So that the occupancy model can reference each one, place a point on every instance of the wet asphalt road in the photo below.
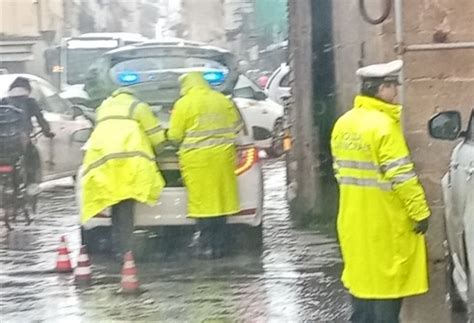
(295, 279)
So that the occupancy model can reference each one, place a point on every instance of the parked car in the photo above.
(261, 112)
(249, 98)
(458, 194)
(278, 85)
(153, 72)
(60, 156)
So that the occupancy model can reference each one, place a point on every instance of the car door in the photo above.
(279, 84)
(461, 181)
(258, 112)
(44, 145)
(63, 154)
(284, 89)
(465, 194)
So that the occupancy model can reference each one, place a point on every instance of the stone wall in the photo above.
(356, 43)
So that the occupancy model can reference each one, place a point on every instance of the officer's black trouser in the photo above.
(213, 233)
(122, 226)
(376, 310)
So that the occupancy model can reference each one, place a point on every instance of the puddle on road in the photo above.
(295, 279)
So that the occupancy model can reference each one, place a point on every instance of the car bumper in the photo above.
(171, 208)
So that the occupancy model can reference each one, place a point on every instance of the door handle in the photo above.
(470, 172)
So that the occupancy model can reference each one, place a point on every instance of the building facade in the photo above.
(28, 28)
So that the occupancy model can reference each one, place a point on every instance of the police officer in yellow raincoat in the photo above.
(119, 166)
(383, 210)
(204, 122)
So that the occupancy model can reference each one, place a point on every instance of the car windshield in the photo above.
(78, 62)
(244, 83)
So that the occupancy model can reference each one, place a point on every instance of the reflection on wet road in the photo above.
(295, 279)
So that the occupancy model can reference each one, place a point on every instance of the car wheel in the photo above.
(246, 238)
(97, 240)
(455, 301)
(277, 148)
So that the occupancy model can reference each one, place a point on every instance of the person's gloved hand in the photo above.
(49, 134)
(421, 226)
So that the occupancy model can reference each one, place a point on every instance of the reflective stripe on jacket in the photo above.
(204, 122)
(119, 163)
(380, 201)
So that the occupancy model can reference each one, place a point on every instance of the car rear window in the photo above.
(146, 67)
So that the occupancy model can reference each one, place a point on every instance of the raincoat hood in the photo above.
(123, 90)
(191, 81)
(394, 111)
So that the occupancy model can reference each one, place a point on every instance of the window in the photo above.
(36, 93)
(285, 81)
(470, 130)
(272, 78)
(49, 100)
(78, 62)
(246, 89)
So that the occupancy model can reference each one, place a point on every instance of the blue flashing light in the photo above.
(215, 77)
(128, 77)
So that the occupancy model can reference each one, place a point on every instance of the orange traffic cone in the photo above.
(63, 263)
(82, 273)
(129, 283)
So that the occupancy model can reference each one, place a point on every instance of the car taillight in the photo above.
(6, 169)
(246, 158)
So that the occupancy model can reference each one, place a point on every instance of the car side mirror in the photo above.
(260, 133)
(82, 135)
(445, 125)
(260, 96)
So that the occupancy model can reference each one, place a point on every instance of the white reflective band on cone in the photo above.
(82, 258)
(82, 271)
(129, 264)
(63, 258)
(129, 279)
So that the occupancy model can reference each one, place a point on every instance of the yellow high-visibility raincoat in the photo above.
(119, 162)
(381, 199)
(205, 122)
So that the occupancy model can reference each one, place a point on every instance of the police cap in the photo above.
(388, 72)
